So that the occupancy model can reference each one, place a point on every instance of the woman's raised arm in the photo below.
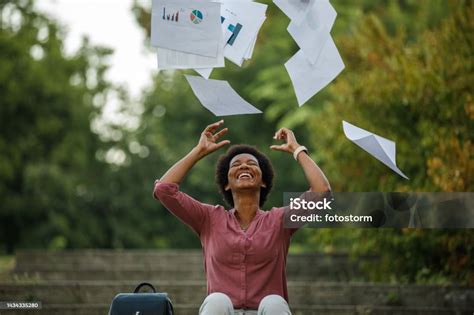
(315, 176)
(207, 144)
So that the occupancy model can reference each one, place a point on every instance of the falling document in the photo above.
(219, 97)
(204, 72)
(187, 26)
(308, 79)
(244, 18)
(380, 148)
(173, 59)
(294, 9)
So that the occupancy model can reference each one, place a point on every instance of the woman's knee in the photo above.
(216, 303)
(273, 304)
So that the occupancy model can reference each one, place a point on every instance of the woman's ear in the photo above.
(227, 187)
(264, 185)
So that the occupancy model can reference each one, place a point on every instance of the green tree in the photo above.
(419, 93)
(47, 148)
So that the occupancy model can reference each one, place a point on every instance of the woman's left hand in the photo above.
(289, 137)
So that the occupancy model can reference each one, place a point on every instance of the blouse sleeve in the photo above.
(190, 211)
(281, 215)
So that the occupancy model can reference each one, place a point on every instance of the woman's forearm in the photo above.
(315, 176)
(207, 144)
(179, 170)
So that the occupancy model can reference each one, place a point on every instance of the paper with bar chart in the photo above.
(244, 19)
(187, 26)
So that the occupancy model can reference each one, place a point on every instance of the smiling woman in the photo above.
(240, 158)
(245, 248)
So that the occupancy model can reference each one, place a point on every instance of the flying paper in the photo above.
(294, 9)
(244, 19)
(219, 97)
(186, 26)
(380, 148)
(308, 79)
(204, 72)
(172, 59)
(313, 32)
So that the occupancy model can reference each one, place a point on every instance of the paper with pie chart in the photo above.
(382, 149)
(187, 26)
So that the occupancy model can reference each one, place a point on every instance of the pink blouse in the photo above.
(245, 265)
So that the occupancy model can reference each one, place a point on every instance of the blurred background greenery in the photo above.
(68, 180)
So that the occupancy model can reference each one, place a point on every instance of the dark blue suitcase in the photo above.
(141, 303)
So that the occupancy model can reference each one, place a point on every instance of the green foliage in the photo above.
(407, 255)
(419, 93)
(46, 146)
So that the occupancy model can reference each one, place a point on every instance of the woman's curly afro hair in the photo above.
(223, 165)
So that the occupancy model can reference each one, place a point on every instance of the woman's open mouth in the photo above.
(244, 176)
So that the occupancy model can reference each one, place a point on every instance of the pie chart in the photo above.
(196, 16)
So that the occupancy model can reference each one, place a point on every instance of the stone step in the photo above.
(301, 293)
(186, 309)
(107, 258)
(147, 258)
(167, 272)
(144, 264)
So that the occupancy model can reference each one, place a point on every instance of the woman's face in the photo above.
(244, 173)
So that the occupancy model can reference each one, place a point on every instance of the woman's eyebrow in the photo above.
(240, 161)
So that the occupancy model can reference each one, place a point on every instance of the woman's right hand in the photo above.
(208, 141)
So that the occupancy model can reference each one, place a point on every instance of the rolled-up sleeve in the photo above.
(190, 211)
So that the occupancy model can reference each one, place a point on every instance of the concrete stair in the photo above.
(85, 282)
(181, 265)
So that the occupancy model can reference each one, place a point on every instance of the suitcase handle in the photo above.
(144, 284)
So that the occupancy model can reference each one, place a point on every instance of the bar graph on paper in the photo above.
(174, 17)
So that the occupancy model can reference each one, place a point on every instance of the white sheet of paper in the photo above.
(313, 32)
(308, 79)
(219, 97)
(249, 52)
(172, 59)
(251, 16)
(204, 72)
(294, 9)
(380, 148)
(186, 26)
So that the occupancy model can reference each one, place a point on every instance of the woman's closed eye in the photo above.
(252, 163)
